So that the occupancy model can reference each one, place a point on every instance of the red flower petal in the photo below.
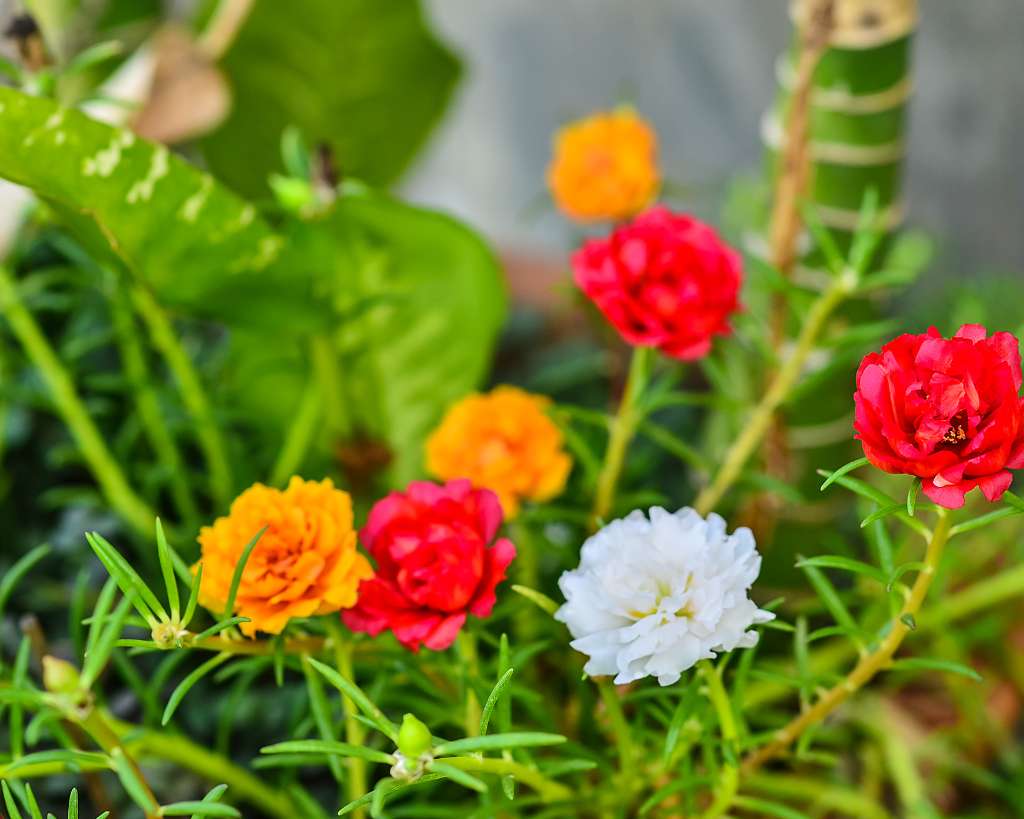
(664, 280)
(499, 557)
(433, 563)
(951, 497)
(994, 486)
(947, 410)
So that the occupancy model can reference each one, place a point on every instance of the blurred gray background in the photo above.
(703, 73)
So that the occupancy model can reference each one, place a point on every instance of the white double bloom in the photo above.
(652, 596)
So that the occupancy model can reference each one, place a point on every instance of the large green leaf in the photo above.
(409, 300)
(197, 245)
(424, 299)
(363, 76)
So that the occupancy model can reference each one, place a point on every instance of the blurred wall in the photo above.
(703, 72)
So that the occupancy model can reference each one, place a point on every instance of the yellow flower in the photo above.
(305, 563)
(604, 167)
(502, 441)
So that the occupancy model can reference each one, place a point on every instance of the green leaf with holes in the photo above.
(198, 246)
(409, 301)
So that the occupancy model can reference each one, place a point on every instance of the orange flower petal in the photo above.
(305, 563)
(502, 441)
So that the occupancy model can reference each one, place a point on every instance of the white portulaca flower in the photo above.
(652, 596)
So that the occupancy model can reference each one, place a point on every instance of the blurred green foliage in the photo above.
(368, 79)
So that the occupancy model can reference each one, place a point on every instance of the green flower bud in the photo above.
(414, 738)
(292, 194)
(59, 676)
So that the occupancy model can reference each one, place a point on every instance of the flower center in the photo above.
(957, 432)
(664, 590)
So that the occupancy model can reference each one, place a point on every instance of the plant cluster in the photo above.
(436, 600)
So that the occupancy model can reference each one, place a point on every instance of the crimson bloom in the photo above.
(434, 564)
(946, 410)
(663, 280)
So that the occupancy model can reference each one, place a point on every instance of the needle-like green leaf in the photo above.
(498, 742)
(193, 596)
(843, 470)
(459, 776)
(163, 549)
(21, 567)
(97, 656)
(236, 578)
(203, 808)
(133, 784)
(539, 599)
(186, 684)
(355, 693)
(145, 602)
(328, 748)
(493, 699)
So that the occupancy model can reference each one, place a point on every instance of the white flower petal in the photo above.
(656, 593)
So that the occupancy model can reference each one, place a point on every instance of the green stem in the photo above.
(299, 436)
(620, 727)
(786, 378)
(110, 733)
(729, 775)
(355, 734)
(817, 793)
(528, 571)
(44, 769)
(549, 791)
(471, 670)
(327, 374)
(95, 723)
(261, 648)
(621, 432)
(223, 26)
(869, 665)
(193, 395)
(111, 479)
(955, 606)
(148, 406)
(212, 767)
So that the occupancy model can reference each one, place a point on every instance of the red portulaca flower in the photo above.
(664, 280)
(434, 563)
(946, 410)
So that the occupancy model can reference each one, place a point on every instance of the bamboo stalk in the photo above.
(856, 106)
(836, 132)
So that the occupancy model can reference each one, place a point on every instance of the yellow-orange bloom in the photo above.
(305, 563)
(604, 167)
(502, 441)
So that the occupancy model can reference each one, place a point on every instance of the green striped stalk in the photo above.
(856, 119)
(836, 131)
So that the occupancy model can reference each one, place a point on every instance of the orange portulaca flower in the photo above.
(305, 563)
(502, 441)
(604, 167)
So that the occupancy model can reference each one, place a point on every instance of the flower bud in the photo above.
(59, 676)
(168, 634)
(414, 738)
(292, 194)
